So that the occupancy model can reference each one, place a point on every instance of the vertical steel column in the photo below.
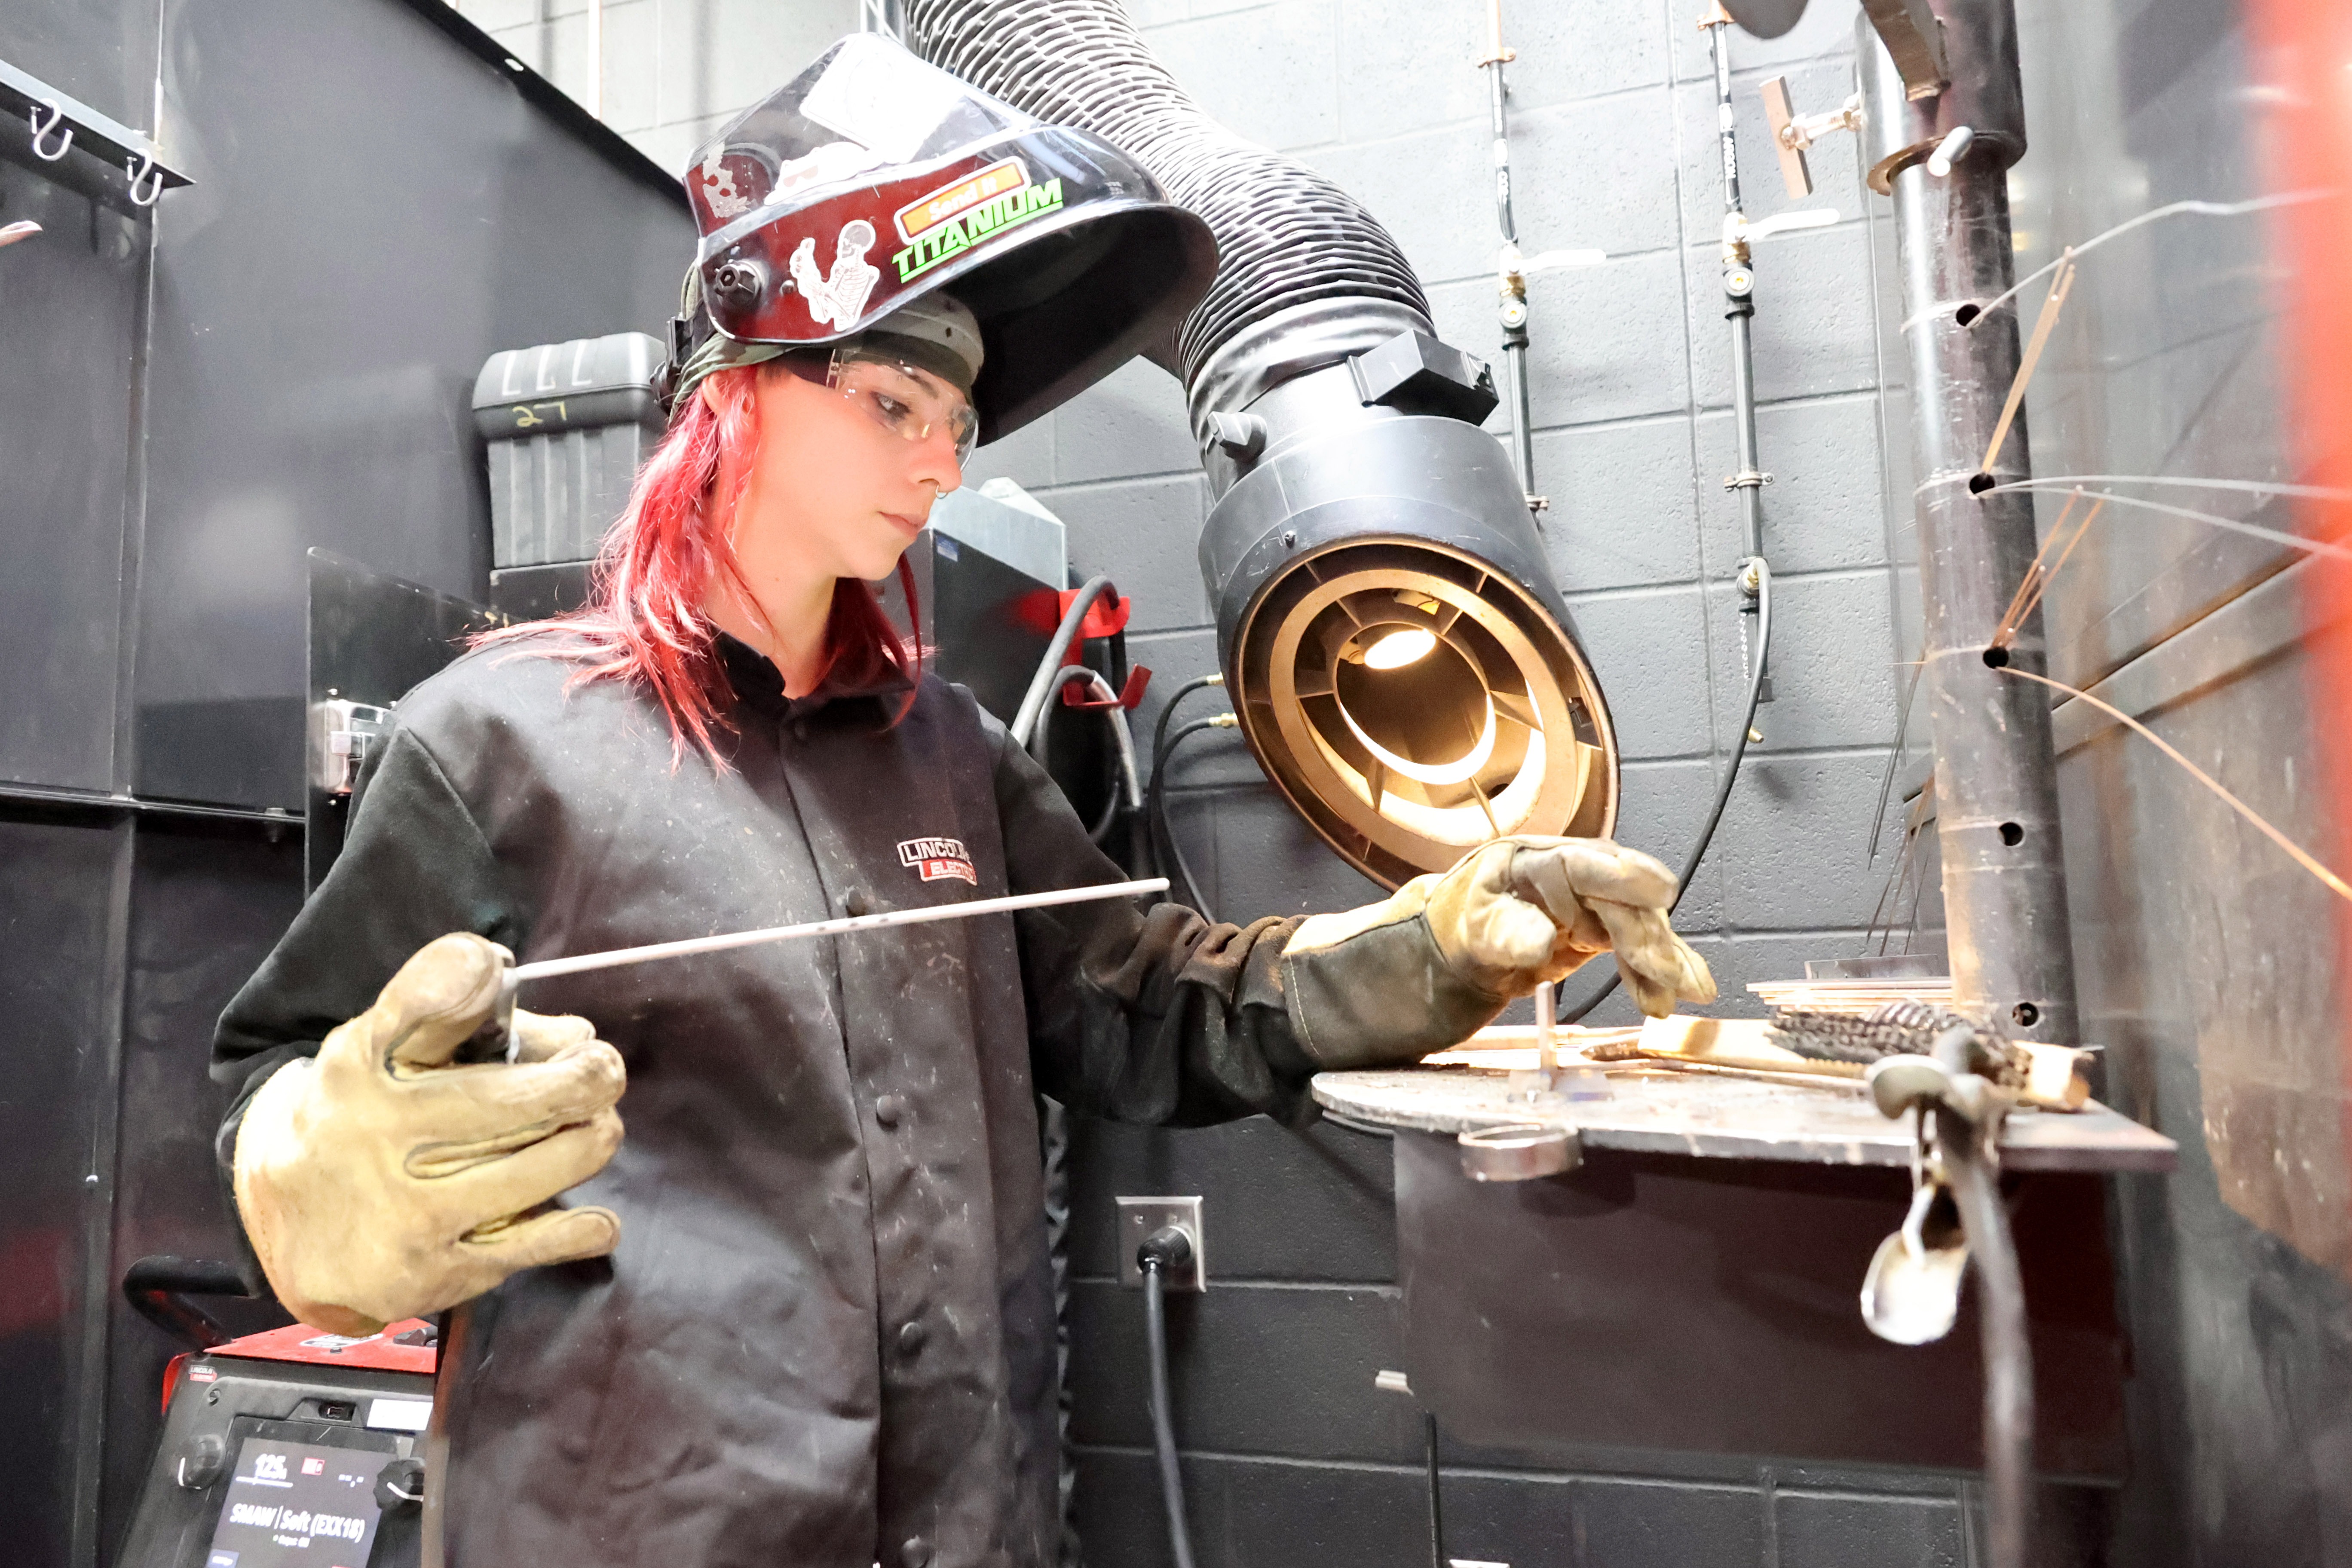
(1996, 778)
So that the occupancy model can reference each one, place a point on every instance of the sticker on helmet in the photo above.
(838, 297)
(881, 97)
(927, 212)
(957, 234)
(718, 187)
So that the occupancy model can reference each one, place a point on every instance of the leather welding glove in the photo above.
(378, 1181)
(1445, 953)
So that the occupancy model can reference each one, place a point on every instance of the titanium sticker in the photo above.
(924, 214)
(841, 296)
(958, 235)
(938, 858)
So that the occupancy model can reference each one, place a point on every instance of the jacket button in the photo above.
(888, 1108)
(855, 901)
(917, 1552)
(912, 1336)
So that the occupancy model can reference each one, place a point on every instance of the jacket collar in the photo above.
(758, 685)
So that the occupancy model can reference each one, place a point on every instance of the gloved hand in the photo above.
(377, 1182)
(1519, 911)
(1441, 956)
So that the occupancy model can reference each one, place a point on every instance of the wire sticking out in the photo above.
(2203, 209)
(2302, 857)
(2037, 581)
(2062, 281)
(2235, 525)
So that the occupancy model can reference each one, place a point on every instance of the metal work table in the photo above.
(1692, 1283)
(1663, 1111)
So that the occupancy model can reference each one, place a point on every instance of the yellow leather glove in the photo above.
(378, 1181)
(1523, 910)
(1516, 912)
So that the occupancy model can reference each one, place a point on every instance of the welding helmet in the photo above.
(877, 195)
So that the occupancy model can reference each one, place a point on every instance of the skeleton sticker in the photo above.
(840, 296)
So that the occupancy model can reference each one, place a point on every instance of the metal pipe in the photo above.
(1512, 308)
(1740, 309)
(1996, 777)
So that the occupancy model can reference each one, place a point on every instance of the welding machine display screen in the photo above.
(298, 1505)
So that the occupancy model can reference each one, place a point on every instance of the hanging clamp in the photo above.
(1793, 133)
(1127, 698)
(1747, 479)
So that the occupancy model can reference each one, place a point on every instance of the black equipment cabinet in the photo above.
(274, 357)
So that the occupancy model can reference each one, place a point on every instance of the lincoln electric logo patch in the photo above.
(938, 858)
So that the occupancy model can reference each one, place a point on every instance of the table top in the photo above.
(1658, 1109)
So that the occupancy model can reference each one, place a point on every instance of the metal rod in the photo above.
(575, 964)
(1740, 309)
(1513, 305)
(1996, 774)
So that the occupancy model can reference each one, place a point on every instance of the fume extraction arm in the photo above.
(1398, 654)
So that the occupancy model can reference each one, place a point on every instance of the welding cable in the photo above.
(1129, 783)
(1041, 685)
(2007, 1353)
(1155, 798)
(1165, 1247)
(1730, 774)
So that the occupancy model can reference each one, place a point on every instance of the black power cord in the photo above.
(1164, 848)
(1167, 1247)
(1730, 774)
(1161, 843)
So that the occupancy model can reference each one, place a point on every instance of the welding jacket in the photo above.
(827, 1338)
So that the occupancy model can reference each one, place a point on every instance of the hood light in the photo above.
(1399, 648)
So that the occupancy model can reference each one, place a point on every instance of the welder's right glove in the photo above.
(1445, 953)
(379, 1182)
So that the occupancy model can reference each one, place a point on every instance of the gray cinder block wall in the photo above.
(1292, 1456)
(673, 70)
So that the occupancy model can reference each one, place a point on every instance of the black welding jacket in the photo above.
(827, 1338)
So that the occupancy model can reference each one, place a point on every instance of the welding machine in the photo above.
(292, 1448)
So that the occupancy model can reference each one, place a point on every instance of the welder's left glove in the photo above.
(1445, 953)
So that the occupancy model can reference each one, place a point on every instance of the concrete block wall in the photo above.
(672, 71)
(1292, 1456)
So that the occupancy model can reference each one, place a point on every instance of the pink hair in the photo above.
(644, 618)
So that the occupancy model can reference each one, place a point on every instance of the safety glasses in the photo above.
(903, 398)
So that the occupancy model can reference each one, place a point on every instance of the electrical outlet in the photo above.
(1138, 1218)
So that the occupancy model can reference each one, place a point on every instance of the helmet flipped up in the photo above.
(874, 180)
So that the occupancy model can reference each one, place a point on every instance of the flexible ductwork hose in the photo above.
(1286, 235)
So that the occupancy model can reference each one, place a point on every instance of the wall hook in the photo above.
(40, 131)
(139, 169)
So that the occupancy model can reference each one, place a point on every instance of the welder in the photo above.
(801, 1313)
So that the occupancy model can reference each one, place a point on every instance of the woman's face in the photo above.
(837, 486)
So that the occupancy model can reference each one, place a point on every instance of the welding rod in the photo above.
(546, 968)
(498, 1031)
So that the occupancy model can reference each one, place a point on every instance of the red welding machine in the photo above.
(292, 1448)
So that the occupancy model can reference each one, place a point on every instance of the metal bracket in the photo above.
(1793, 133)
(1747, 479)
(59, 122)
(341, 731)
